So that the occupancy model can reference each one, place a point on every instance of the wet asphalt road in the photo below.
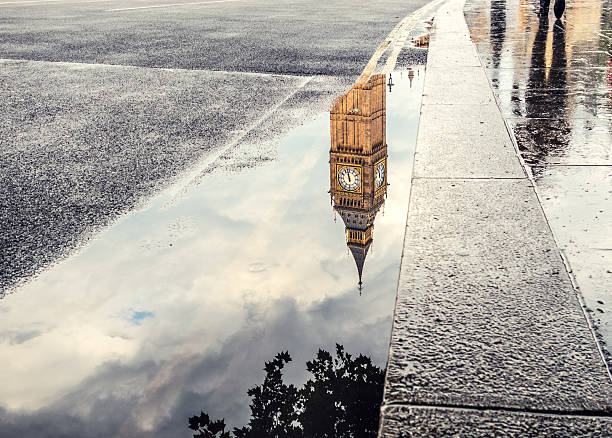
(103, 107)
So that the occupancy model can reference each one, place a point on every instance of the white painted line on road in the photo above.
(403, 36)
(32, 1)
(138, 67)
(393, 36)
(193, 176)
(169, 5)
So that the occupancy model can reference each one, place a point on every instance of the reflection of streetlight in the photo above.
(410, 76)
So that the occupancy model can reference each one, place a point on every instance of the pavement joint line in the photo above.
(470, 105)
(561, 413)
(457, 67)
(514, 119)
(582, 67)
(51, 2)
(569, 165)
(169, 5)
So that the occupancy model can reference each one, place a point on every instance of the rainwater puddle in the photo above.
(176, 310)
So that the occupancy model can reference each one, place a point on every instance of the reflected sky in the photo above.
(176, 307)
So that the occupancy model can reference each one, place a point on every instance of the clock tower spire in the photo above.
(358, 162)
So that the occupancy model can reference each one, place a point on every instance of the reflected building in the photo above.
(358, 162)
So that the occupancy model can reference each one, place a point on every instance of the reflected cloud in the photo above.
(153, 397)
(19, 337)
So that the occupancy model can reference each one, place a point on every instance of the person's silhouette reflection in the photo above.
(498, 29)
(558, 8)
(546, 130)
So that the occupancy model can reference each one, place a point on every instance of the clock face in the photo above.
(349, 178)
(379, 178)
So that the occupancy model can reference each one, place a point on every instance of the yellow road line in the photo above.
(405, 26)
(401, 41)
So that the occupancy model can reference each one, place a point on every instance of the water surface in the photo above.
(176, 307)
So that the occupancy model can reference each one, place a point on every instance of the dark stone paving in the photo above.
(440, 422)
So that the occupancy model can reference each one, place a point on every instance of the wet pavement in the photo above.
(489, 335)
(176, 307)
(287, 239)
(552, 80)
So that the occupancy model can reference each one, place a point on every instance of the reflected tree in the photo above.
(207, 428)
(342, 399)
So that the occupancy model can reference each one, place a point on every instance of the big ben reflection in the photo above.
(358, 162)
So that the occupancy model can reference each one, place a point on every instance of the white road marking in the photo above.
(169, 5)
(193, 176)
(136, 67)
(401, 40)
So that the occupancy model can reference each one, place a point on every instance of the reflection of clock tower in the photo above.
(358, 162)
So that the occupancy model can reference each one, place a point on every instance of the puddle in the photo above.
(175, 310)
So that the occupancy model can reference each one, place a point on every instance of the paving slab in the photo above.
(465, 85)
(465, 141)
(440, 422)
(460, 55)
(486, 314)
